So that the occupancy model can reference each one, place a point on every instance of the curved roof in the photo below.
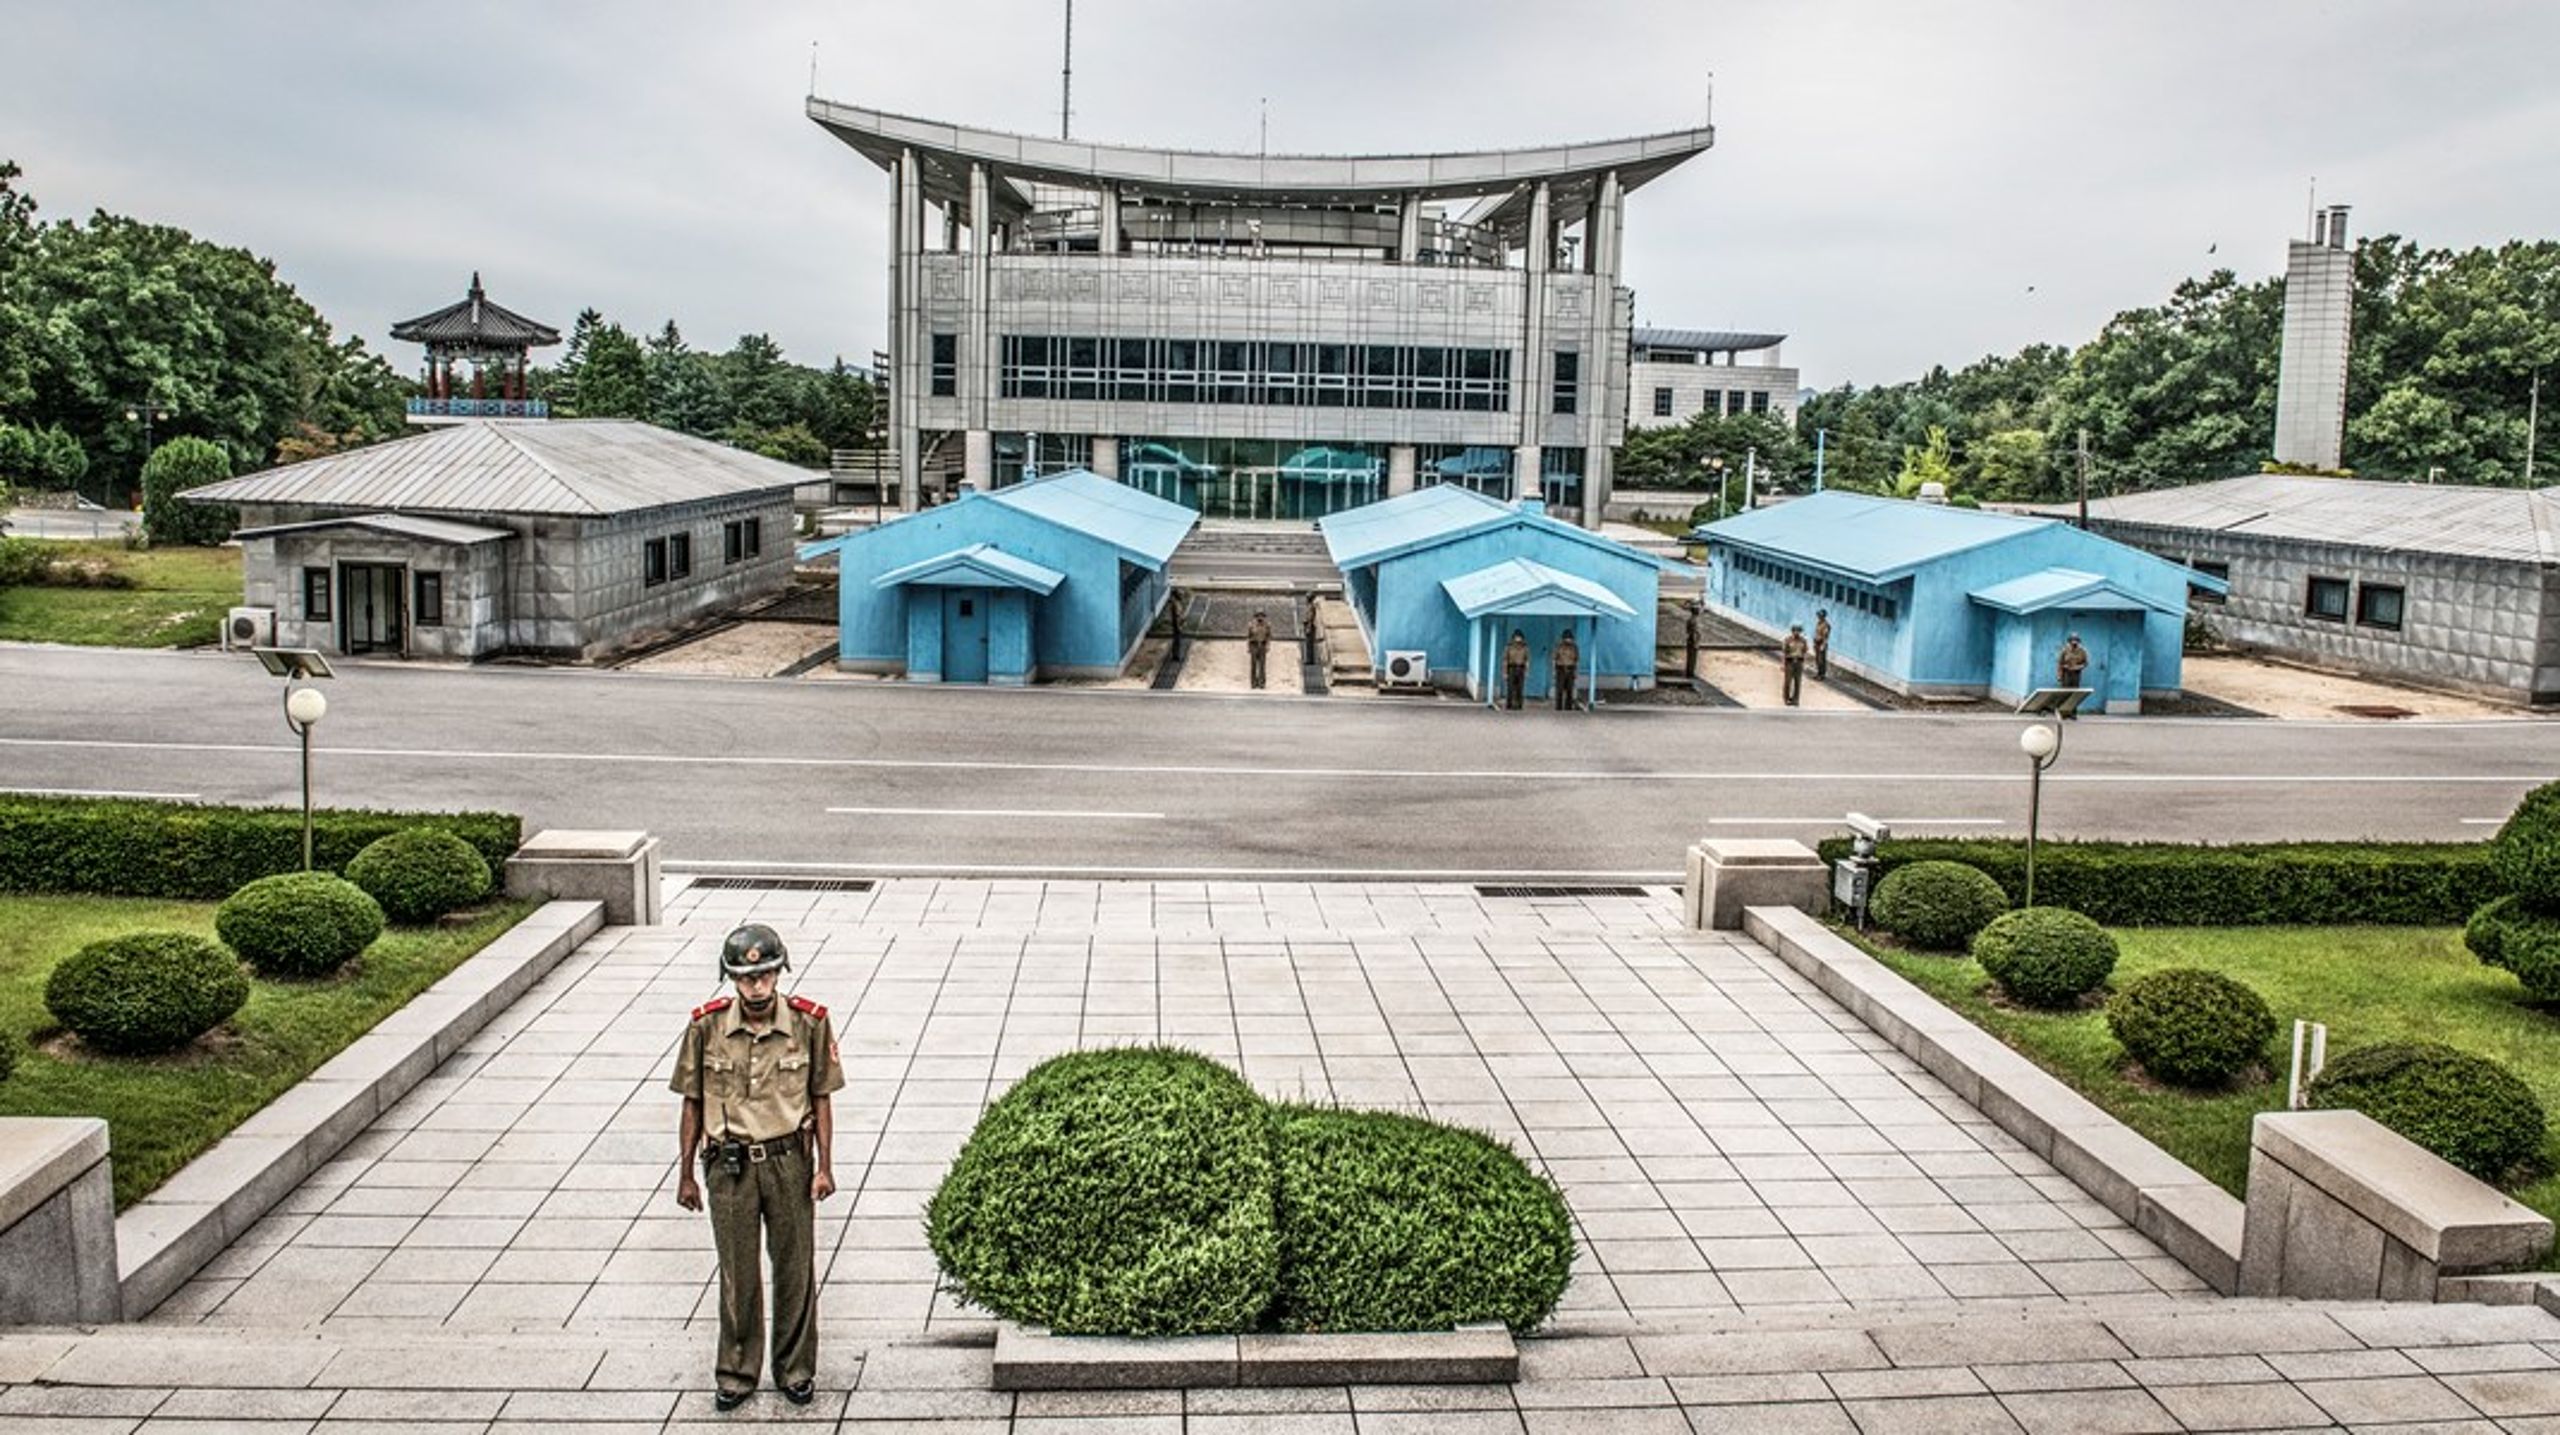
(945, 152)
(475, 321)
(1713, 341)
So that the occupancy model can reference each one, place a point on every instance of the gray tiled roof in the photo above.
(578, 467)
(1715, 341)
(2511, 524)
(475, 321)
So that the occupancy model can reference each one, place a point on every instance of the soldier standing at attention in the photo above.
(1515, 669)
(756, 1073)
(1792, 653)
(1257, 642)
(2073, 661)
(1568, 662)
(1822, 643)
(1689, 665)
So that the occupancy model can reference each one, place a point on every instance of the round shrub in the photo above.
(2191, 1027)
(1391, 1222)
(2503, 934)
(299, 924)
(420, 873)
(2046, 956)
(1120, 1192)
(2526, 850)
(2467, 1109)
(145, 992)
(1937, 906)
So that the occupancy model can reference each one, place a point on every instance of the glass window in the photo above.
(1760, 401)
(679, 555)
(2327, 600)
(2210, 569)
(733, 542)
(1662, 403)
(2379, 605)
(428, 610)
(653, 562)
(1568, 387)
(315, 595)
(1712, 403)
(755, 538)
(946, 365)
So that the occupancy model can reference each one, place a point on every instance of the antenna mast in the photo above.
(1067, 74)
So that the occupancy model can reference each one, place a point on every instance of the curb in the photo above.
(164, 1239)
(1032, 1359)
(2194, 1220)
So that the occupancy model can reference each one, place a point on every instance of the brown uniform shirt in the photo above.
(754, 1085)
(1793, 649)
(1257, 634)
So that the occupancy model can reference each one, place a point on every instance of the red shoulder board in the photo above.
(808, 1008)
(716, 1004)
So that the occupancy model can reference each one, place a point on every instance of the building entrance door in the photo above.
(964, 635)
(371, 618)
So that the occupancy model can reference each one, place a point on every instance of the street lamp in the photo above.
(1712, 464)
(2042, 744)
(303, 709)
(144, 412)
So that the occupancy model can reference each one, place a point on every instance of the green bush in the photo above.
(9, 1050)
(2467, 1109)
(123, 847)
(2046, 956)
(420, 873)
(1937, 906)
(2527, 850)
(2191, 1027)
(1121, 1192)
(173, 468)
(1390, 1222)
(145, 992)
(2172, 884)
(299, 924)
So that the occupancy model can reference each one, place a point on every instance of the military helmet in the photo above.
(751, 949)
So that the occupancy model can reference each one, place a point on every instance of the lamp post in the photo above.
(143, 412)
(1710, 463)
(2042, 744)
(303, 709)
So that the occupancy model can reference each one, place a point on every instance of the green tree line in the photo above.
(750, 396)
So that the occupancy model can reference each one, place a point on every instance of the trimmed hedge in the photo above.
(1937, 906)
(2046, 956)
(420, 873)
(1391, 1222)
(299, 924)
(2172, 884)
(2527, 850)
(122, 847)
(2467, 1109)
(145, 992)
(1120, 1192)
(2191, 1027)
(2504, 935)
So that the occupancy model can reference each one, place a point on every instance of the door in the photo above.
(371, 617)
(964, 635)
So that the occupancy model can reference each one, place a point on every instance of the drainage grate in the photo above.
(1486, 890)
(781, 884)
(2376, 710)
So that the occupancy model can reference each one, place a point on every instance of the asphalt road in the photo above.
(884, 778)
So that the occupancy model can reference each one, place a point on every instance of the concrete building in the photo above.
(1256, 336)
(2439, 584)
(566, 539)
(1679, 374)
(1054, 577)
(1933, 601)
(2319, 308)
(1449, 574)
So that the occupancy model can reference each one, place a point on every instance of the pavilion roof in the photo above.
(476, 320)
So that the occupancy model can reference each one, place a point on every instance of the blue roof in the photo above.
(1524, 587)
(2066, 588)
(980, 565)
(1429, 517)
(1145, 528)
(1878, 539)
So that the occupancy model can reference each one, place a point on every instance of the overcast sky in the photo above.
(1894, 184)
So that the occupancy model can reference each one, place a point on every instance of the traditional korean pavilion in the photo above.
(488, 340)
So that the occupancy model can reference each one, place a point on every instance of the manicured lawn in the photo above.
(178, 599)
(2368, 983)
(161, 1111)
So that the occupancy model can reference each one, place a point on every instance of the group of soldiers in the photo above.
(1515, 670)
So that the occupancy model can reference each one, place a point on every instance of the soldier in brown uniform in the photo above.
(1822, 643)
(1792, 654)
(756, 1073)
(1568, 663)
(1257, 643)
(2070, 664)
(1515, 669)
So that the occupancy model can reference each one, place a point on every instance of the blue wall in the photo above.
(1410, 610)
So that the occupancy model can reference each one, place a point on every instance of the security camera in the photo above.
(1869, 828)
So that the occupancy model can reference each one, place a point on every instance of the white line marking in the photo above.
(989, 812)
(1356, 774)
(101, 792)
(1036, 869)
(2484, 822)
(1836, 822)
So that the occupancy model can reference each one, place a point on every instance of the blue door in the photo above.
(964, 635)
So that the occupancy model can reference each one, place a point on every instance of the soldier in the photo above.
(1568, 660)
(1792, 652)
(1689, 665)
(1515, 669)
(2072, 662)
(1822, 643)
(1257, 642)
(756, 1075)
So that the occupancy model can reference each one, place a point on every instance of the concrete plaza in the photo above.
(1783, 1223)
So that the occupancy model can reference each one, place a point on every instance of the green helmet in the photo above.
(751, 949)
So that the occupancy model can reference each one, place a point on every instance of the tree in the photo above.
(180, 464)
(2010, 465)
(1926, 463)
(613, 380)
(839, 406)
(756, 382)
(683, 395)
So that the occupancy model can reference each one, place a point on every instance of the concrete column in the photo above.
(978, 360)
(1106, 457)
(1399, 469)
(907, 360)
(1606, 367)
(978, 459)
(1535, 369)
(1409, 229)
(1527, 467)
(1110, 202)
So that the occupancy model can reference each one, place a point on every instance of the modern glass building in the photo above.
(1257, 336)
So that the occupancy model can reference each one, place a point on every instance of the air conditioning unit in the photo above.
(1408, 670)
(247, 628)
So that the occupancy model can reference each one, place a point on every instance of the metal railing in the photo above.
(479, 409)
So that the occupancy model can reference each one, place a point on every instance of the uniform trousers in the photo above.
(771, 1197)
(1564, 689)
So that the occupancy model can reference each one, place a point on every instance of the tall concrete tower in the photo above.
(2311, 383)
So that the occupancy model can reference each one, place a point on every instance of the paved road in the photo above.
(894, 779)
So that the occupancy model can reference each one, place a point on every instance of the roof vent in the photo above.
(1933, 492)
